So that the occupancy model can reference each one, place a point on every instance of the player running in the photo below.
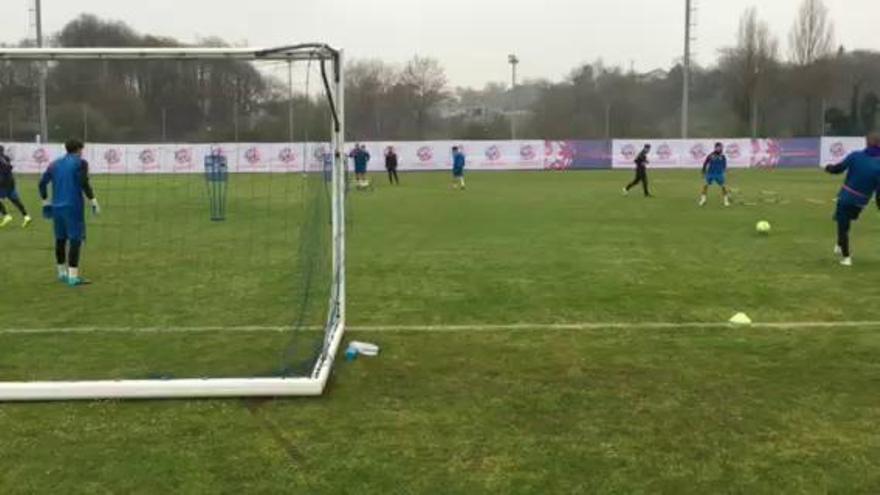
(641, 172)
(8, 191)
(714, 171)
(458, 163)
(69, 177)
(862, 181)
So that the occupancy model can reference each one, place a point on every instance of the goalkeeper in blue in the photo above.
(715, 172)
(862, 182)
(69, 177)
(8, 191)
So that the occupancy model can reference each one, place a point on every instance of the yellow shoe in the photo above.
(6, 221)
(27, 221)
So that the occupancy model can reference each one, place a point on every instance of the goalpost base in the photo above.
(188, 388)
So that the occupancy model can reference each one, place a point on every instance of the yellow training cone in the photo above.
(741, 319)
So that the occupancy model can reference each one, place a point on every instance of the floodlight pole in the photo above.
(686, 69)
(513, 60)
(85, 117)
(754, 110)
(289, 101)
(44, 106)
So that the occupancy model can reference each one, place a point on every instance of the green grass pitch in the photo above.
(602, 410)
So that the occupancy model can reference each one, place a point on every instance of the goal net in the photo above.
(217, 263)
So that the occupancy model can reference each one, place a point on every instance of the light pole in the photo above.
(608, 120)
(290, 102)
(513, 60)
(754, 111)
(686, 84)
(44, 112)
(85, 117)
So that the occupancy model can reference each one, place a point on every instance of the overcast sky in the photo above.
(472, 38)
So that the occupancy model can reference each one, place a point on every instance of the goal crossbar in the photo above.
(312, 385)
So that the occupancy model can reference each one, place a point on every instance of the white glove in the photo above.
(96, 208)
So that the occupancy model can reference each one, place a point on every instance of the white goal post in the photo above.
(311, 385)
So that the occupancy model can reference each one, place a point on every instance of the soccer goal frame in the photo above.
(316, 381)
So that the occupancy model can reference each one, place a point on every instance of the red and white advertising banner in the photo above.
(183, 158)
(691, 153)
(835, 149)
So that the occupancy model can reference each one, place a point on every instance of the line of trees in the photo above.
(752, 90)
(819, 89)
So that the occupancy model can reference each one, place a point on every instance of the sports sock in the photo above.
(61, 252)
(18, 204)
(73, 262)
(843, 238)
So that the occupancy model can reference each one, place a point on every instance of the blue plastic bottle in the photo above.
(351, 354)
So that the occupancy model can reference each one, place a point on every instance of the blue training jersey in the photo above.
(716, 164)
(862, 176)
(458, 160)
(361, 157)
(67, 176)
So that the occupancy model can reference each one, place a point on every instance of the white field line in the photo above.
(513, 327)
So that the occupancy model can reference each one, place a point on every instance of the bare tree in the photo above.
(426, 86)
(811, 42)
(369, 83)
(748, 65)
(812, 36)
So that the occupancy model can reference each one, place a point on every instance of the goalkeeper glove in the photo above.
(96, 208)
(47, 210)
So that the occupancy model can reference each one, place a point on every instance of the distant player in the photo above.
(862, 181)
(8, 191)
(641, 162)
(458, 163)
(69, 177)
(391, 165)
(361, 158)
(715, 170)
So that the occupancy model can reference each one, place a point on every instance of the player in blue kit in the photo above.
(862, 182)
(458, 163)
(69, 177)
(361, 158)
(8, 191)
(715, 172)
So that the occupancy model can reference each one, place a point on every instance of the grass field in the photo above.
(619, 407)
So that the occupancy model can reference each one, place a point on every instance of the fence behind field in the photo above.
(185, 158)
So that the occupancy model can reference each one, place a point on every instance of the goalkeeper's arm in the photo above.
(87, 188)
(84, 182)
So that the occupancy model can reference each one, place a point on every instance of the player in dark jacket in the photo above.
(391, 165)
(7, 191)
(862, 182)
(641, 162)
